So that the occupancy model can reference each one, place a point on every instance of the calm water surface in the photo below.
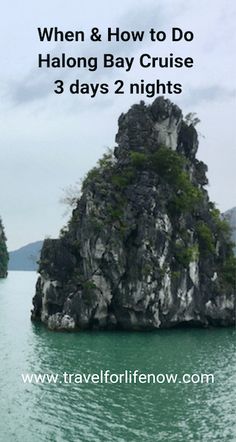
(105, 412)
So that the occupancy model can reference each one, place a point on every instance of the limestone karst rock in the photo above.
(3, 252)
(144, 248)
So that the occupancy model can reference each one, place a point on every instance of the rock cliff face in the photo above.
(3, 252)
(145, 248)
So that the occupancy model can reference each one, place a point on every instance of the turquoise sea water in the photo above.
(110, 412)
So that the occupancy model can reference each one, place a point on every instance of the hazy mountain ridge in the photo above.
(26, 257)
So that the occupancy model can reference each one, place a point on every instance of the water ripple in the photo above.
(110, 412)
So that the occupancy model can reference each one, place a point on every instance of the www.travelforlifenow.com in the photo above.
(108, 377)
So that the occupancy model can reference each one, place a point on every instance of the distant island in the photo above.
(26, 257)
(3, 252)
(145, 247)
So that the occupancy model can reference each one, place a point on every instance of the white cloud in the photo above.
(48, 142)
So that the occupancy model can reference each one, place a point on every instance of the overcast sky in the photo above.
(48, 142)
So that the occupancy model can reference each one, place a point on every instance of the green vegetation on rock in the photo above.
(3, 253)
